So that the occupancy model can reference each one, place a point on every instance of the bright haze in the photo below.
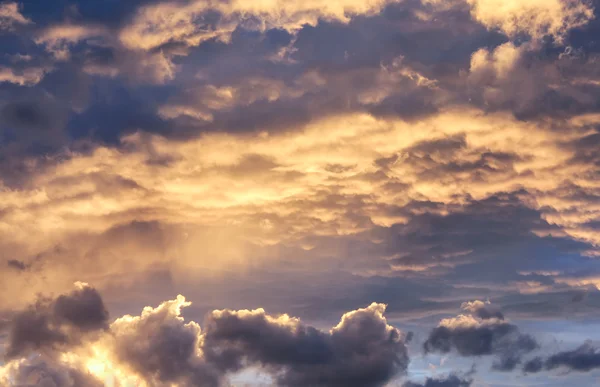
(328, 193)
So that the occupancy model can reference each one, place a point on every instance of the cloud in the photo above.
(26, 77)
(479, 334)
(450, 381)
(159, 347)
(58, 38)
(536, 18)
(10, 16)
(44, 371)
(155, 25)
(362, 350)
(582, 359)
(441, 150)
(57, 323)
(483, 310)
(17, 265)
(408, 183)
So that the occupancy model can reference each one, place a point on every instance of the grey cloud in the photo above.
(486, 311)
(449, 381)
(360, 351)
(472, 335)
(534, 365)
(42, 371)
(582, 359)
(162, 348)
(82, 308)
(17, 265)
(57, 323)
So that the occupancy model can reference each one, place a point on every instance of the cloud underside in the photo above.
(389, 193)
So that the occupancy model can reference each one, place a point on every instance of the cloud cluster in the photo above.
(483, 331)
(57, 323)
(158, 347)
(583, 359)
(362, 350)
(450, 381)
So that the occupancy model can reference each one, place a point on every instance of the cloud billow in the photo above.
(482, 332)
(158, 347)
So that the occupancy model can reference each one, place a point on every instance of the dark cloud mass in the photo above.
(160, 348)
(57, 323)
(362, 350)
(582, 359)
(481, 333)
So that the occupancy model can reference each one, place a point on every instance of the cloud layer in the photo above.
(305, 159)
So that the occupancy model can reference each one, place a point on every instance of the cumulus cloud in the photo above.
(58, 323)
(159, 347)
(481, 333)
(483, 310)
(362, 350)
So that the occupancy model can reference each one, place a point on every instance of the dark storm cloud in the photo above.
(450, 381)
(471, 335)
(57, 323)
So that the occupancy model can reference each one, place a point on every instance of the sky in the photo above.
(328, 193)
